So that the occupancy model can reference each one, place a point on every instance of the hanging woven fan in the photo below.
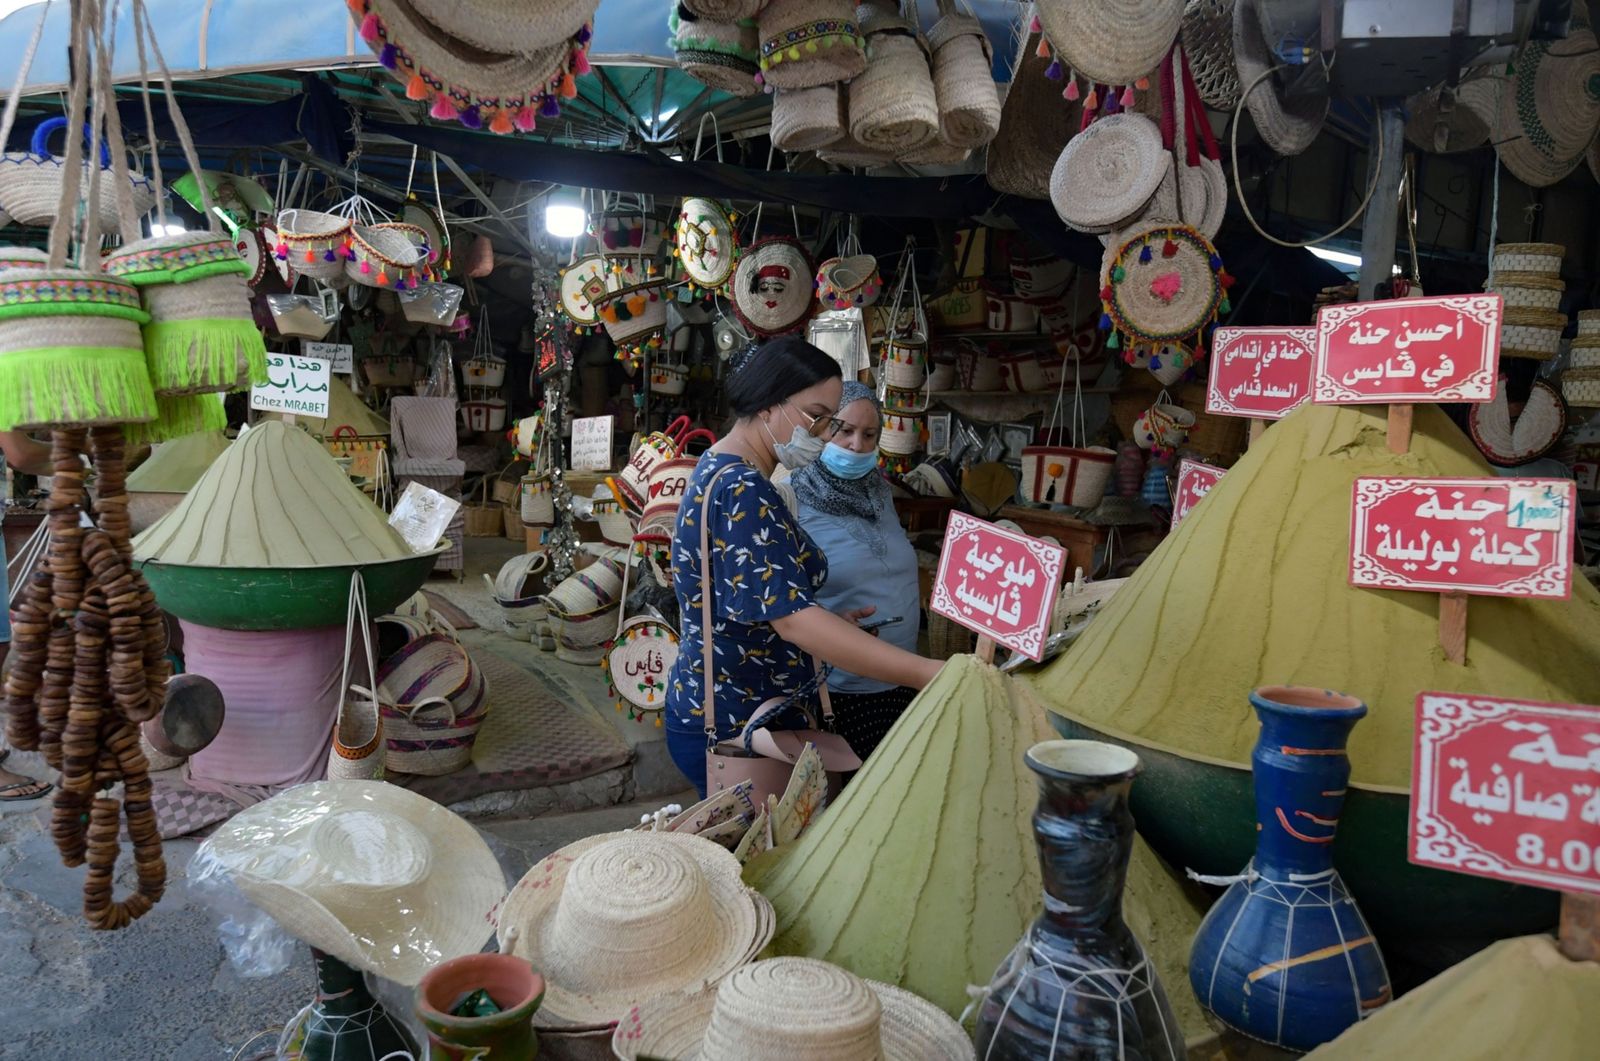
(708, 242)
(772, 287)
(1161, 283)
(582, 285)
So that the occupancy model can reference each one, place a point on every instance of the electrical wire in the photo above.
(1238, 188)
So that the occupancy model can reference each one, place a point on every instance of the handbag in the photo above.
(357, 751)
(765, 758)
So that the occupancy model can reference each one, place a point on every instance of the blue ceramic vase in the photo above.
(1078, 986)
(1285, 955)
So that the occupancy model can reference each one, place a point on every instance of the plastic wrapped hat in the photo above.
(504, 91)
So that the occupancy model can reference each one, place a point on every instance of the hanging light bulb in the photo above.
(564, 215)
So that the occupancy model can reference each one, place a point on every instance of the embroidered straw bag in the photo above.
(893, 105)
(715, 52)
(357, 750)
(809, 42)
(384, 255)
(963, 81)
(314, 243)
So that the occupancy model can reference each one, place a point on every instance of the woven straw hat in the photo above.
(1287, 123)
(1550, 108)
(1462, 125)
(716, 53)
(792, 1009)
(1109, 172)
(1207, 34)
(618, 918)
(1115, 42)
(502, 89)
(507, 26)
(382, 878)
(772, 288)
(1035, 125)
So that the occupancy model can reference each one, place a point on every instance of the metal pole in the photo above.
(1381, 224)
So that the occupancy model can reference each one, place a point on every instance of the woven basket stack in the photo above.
(1528, 277)
(1580, 383)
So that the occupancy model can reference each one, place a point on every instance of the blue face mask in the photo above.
(846, 463)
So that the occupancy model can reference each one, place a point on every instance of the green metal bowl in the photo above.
(1201, 816)
(282, 598)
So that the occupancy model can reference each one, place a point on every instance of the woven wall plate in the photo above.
(1535, 433)
(1165, 283)
(639, 661)
(583, 284)
(708, 242)
(1108, 172)
(772, 286)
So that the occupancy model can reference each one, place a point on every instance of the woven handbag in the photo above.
(357, 750)
(433, 699)
(809, 42)
(30, 181)
(893, 105)
(963, 81)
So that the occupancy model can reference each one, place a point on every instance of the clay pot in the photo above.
(505, 1036)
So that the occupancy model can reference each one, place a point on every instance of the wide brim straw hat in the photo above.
(1288, 124)
(785, 1009)
(381, 878)
(506, 26)
(1207, 35)
(618, 918)
(503, 90)
(1462, 126)
(1108, 172)
(1114, 42)
(852, 280)
(1035, 125)
(722, 54)
(776, 257)
(1550, 108)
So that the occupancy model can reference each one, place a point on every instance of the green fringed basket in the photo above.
(201, 338)
(70, 350)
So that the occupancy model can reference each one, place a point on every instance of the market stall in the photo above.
(1190, 398)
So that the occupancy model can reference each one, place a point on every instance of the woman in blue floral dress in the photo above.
(765, 570)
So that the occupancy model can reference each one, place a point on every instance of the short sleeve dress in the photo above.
(763, 567)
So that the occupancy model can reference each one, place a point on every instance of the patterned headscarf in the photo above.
(819, 488)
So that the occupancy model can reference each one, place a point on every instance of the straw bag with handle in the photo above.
(357, 751)
(483, 513)
(433, 699)
(1074, 474)
(764, 758)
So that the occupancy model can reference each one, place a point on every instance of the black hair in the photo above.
(775, 371)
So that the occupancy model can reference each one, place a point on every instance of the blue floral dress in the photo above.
(763, 567)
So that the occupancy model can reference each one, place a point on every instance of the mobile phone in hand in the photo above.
(872, 627)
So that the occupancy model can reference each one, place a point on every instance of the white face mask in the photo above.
(802, 448)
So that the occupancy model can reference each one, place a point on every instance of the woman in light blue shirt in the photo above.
(842, 502)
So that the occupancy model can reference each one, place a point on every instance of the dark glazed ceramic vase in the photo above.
(1078, 986)
(504, 1036)
(345, 1023)
(1285, 955)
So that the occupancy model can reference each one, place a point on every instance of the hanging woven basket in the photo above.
(807, 119)
(893, 105)
(809, 42)
(30, 181)
(70, 350)
(721, 54)
(963, 81)
(635, 317)
(313, 243)
(383, 256)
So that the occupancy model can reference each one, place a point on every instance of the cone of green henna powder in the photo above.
(925, 873)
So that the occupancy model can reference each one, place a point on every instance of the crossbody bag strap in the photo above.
(708, 676)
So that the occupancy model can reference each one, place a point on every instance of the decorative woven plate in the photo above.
(772, 286)
(639, 661)
(708, 242)
(1536, 432)
(1162, 284)
(582, 285)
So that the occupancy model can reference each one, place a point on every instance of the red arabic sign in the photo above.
(1500, 537)
(1408, 350)
(1195, 481)
(1260, 372)
(998, 583)
(1507, 789)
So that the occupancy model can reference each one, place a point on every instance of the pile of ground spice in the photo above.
(275, 499)
(1252, 589)
(173, 467)
(926, 873)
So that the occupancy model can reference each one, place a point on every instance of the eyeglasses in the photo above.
(834, 424)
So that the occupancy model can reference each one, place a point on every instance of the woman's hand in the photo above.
(855, 615)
